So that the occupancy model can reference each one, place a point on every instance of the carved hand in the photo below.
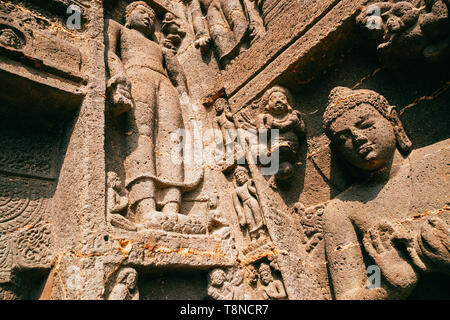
(434, 241)
(202, 41)
(119, 93)
(378, 242)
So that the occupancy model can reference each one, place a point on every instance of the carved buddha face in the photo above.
(241, 177)
(364, 137)
(114, 181)
(265, 276)
(142, 19)
(278, 103)
(220, 106)
(131, 280)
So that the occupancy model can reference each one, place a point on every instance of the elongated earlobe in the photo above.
(404, 144)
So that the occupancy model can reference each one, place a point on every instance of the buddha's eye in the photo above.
(365, 125)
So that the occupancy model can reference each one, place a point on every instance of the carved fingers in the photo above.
(119, 93)
(434, 240)
(202, 41)
(379, 244)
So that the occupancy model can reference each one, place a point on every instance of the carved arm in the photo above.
(201, 31)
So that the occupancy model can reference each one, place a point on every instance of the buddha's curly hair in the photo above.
(342, 99)
(129, 9)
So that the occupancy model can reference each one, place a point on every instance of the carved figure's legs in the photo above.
(234, 13)
(169, 121)
(142, 198)
(253, 216)
(139, 145)
(220, 31)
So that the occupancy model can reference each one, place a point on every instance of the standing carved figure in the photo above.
(125, 287)
(367, 134)
(270, 289)
(246, 204)
(147, 81)
(280, 115)
(226, 24)
(223, 121)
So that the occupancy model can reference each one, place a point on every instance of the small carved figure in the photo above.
(217, 226)
(246, 204)
(218, 286)
(241, 290)
(367, 134)
(280, 115)
(173, 32)
(406, 32)
(223, 121)
(117, 204)
(9, 38)
(311, 221)
(226, 24)
(270, 289)
(252, 276)
(125, 287)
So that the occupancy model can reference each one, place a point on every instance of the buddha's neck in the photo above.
(389, 171)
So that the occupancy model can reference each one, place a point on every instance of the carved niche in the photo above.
(255, 281)
(149, 101)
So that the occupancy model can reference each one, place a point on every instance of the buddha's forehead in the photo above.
(144, 8)
(353, 116)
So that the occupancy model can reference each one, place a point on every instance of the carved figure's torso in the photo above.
(137, 50)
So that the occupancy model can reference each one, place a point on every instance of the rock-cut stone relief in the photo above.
(224, 22)
(396, 215)
(279, 115)
(125, 285)
(148, 85)
(173, 32)
(408, 30)
(278, 131)
(247, 283)
(226, 135)
(11, 37)
(247, 206)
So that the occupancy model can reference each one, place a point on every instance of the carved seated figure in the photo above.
(227, 25)
(280, 115)
(117, 204)
(407, 32)
(125, 287)
(270, 289)
(218, 286)
(396, 215)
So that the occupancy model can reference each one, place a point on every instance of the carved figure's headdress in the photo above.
(264, 267)
(285, 91)
(240, 169)
(342, 99)
(135, 4)
(123, 274)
